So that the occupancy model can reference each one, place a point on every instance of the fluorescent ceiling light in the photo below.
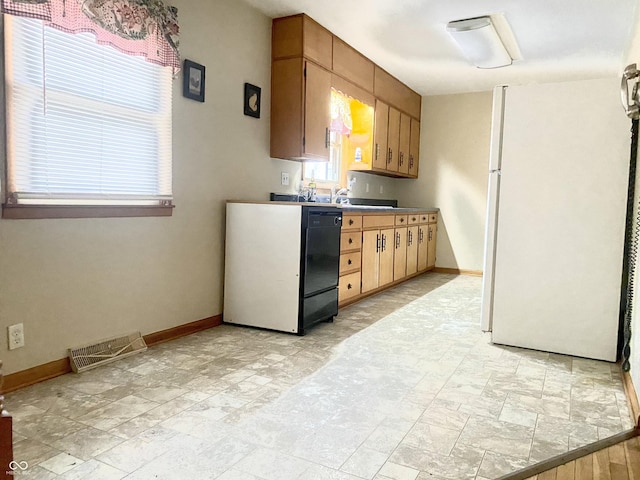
(480, 42)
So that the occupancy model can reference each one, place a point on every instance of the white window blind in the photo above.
(86, 123)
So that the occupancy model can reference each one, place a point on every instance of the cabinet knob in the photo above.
(349, 286)
(351, 221)
(350, 240)
(413, 219)
(349, 262)
(402, 220)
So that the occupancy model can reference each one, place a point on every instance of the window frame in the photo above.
(13, 210)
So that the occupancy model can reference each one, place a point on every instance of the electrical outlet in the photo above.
(284, 178)
(381, 188)
(16, 336)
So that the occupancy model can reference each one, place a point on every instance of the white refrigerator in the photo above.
(556, 217)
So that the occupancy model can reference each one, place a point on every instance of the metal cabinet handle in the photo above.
(384, 242)
(410, 161)
(420, 235)
(377, 151)
(397, 240)
(430, 234)
(377, 243)
(401, 158)
(410, 238)
(389, 155)
(327, 138)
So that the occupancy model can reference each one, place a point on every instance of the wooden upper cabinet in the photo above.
(403, 149)
(396, 93)
(300, 110)
(381, 131)
(351, 64)
(393, 140)
(414, 147)
(317, 112)
(299, 35)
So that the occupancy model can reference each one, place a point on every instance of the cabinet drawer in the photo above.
(377, 221)
(351, 222)
(433, 217)
(350, 241)
(401, 220)
(349, 262)
(348, 286)
(413, 219)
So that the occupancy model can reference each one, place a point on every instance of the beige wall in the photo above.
(454, 158)
(77, 281)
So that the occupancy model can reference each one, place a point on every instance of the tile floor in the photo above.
(403, 385)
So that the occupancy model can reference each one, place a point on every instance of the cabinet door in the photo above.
(422, 248)
(405, 135)
(381, 128)
(393, 139)
(370, 259)
(400, 254)
(317, 113)
(386, 257)
(431, 244)
(412, 250)
(414, 148)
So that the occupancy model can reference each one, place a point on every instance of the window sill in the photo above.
(83, 211)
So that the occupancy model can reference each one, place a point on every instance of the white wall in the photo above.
(454, 159)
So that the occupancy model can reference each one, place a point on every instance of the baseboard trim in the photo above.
(182, 330)
(40, 373)
(458, 271)
(632, 397)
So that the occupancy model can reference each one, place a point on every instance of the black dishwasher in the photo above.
(319, 265)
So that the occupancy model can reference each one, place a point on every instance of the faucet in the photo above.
(336, 193)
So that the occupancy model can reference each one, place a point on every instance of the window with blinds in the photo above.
(86, 124)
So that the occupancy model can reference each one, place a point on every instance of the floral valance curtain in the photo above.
(136, 27)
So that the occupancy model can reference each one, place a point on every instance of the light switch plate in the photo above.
(284, 178)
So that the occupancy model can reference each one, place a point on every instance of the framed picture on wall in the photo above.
(193, 80)
(252, 100)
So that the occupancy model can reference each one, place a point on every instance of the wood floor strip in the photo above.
(584, 467)
(567, 471)
(586, 472)
(632, 450)
(601, 468)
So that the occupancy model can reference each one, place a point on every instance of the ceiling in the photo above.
(558, 40)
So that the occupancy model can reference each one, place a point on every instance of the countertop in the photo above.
(360, 209)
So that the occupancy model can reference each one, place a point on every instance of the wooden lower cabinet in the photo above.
(423, 248)
(380, 250)
(348, 286)
(400, 254)
(412, 250)
(431, 245)
(377, 258)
